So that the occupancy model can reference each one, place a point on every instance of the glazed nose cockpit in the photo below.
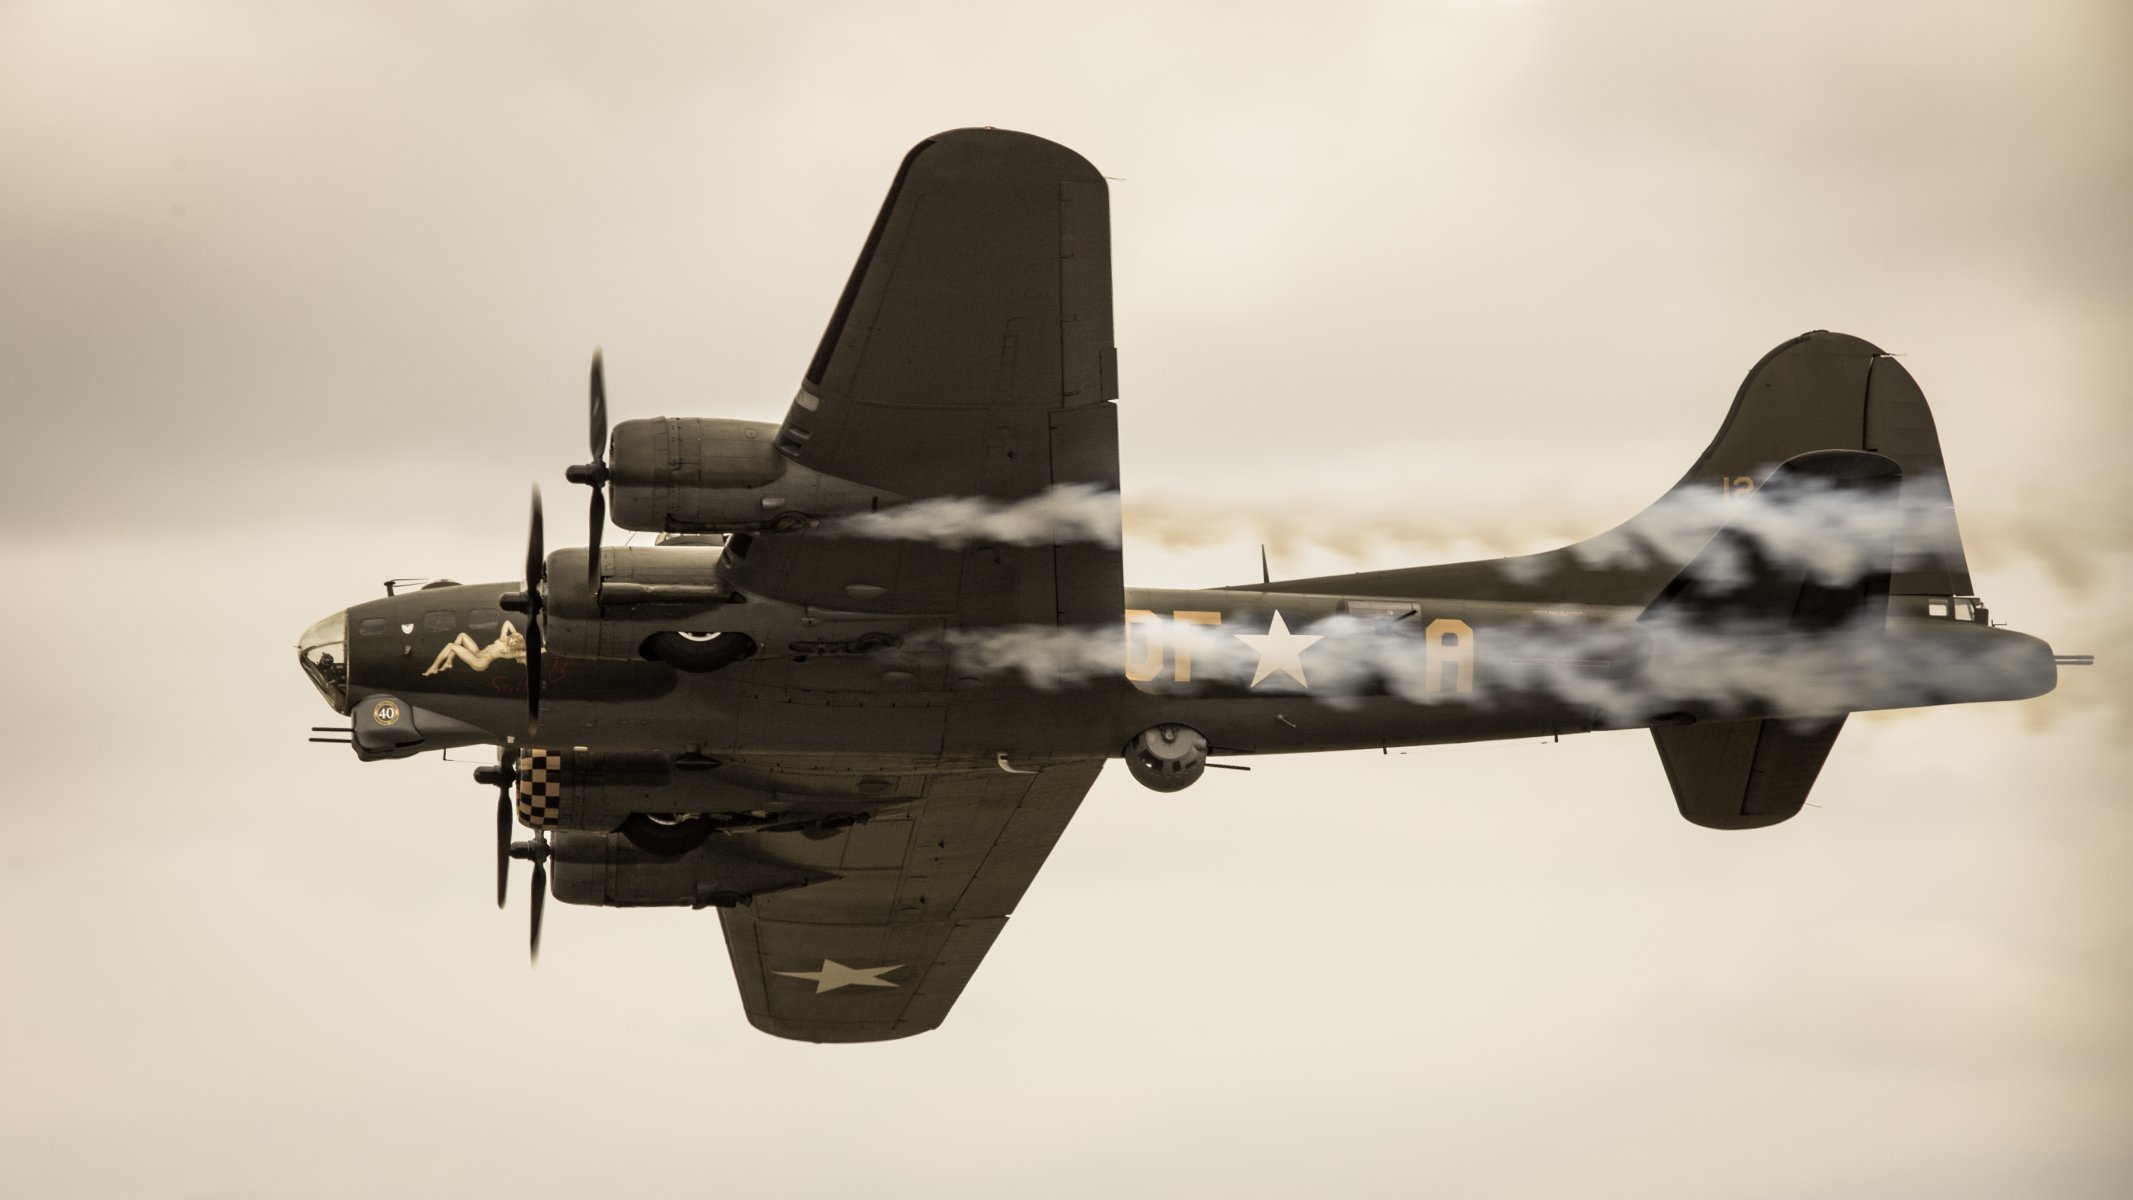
(323, 651)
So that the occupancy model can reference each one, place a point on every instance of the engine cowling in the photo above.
(581, 788)
(712, 475)
(604, 868)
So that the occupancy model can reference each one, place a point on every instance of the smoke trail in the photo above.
(1831, 531)
(1622, 672)
(1356, 529)
(1072, 512)
(1836, 534)
(1811, 522)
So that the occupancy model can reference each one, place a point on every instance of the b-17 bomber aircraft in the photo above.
(883, 647)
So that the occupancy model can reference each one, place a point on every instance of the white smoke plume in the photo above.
(1832, 532)
(1620, 671)
(1071, 512)
(1810, 522)
(1356, 528)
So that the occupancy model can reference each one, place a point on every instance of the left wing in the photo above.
(883, 949)
(969, 356)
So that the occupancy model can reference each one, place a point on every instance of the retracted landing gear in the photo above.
(668, 835)
(697, 653)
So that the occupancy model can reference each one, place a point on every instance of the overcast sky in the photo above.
(296, 298)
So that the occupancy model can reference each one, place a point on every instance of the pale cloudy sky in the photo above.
(296, 298)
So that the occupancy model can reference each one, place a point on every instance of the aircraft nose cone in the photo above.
(323, 653)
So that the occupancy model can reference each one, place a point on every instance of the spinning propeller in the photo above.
(532, 601)
(595, 475)
(537, 850)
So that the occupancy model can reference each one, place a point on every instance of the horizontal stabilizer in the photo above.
(1808, 550)
(1744, 774)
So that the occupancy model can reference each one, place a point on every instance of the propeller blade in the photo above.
(533, 675)
(592, 546)
(540, 893)
(594, 475)
(503, 844)
(599, 411)
(536, 573)
(536, 559)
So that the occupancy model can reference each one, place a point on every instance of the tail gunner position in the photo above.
(883, 647)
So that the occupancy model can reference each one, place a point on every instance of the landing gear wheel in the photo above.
(668, 835)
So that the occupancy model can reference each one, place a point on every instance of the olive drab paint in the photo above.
(859, 739)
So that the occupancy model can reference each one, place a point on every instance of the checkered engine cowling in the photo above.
(540, 788)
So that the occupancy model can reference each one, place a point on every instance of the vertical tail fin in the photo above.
(1810, 550)
(1819, 391)
(1831, 391)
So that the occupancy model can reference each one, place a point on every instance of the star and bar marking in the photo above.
(1164, 645)
(834, 975)
(1280, 651)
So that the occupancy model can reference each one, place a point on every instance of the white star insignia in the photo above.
(834, 975)
(1279, 650)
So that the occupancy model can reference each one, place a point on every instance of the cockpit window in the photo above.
(1959, 608)
(323, 650)
(442, 620)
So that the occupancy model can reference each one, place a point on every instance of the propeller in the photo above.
(540, 895)
(500, 777)
(595, 475)
(503, 846)
(530, 603)
(537, 851)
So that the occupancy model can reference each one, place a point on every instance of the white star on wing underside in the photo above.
(1280, 650)
(834, 975)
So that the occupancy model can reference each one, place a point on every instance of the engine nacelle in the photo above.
(1167, 758)
(711, 475)
(580, 788)
(604, 868)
